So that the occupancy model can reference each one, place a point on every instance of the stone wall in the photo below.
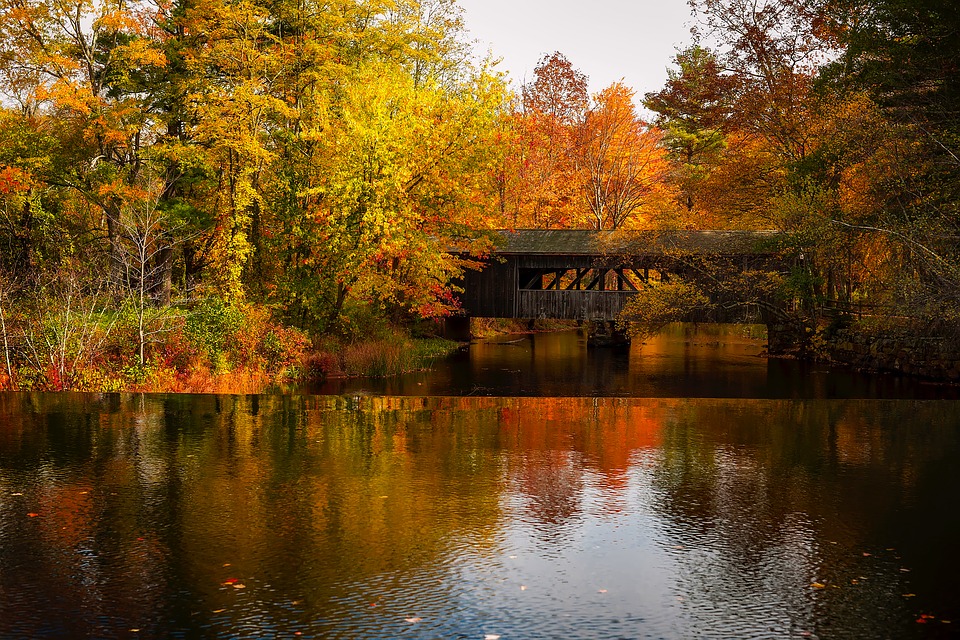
(933, 358)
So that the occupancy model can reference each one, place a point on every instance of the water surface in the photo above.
(683, 361)
(268, 516)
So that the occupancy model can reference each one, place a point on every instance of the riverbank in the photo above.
(872, 345)
(213, 347)
(928, 357)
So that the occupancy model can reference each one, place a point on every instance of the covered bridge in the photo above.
(582, 274)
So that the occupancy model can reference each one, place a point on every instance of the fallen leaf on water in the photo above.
(601, 590)
(905, 570)
(491, 636)
(134, 630)
(33, 515)
(413, 620)
(239, 585)
(297, 603)
(925, 618)
(219, 610)
(891, 549)
(226, 564)
(16, 494)
(678, 546)
(818, 585)
(523, 587)
(854, 581)
(867, 555)
(909, 595)
(229, 581)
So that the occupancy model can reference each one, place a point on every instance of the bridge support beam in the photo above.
(457, 328)
(604, 333)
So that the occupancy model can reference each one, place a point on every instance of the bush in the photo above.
(212, 325)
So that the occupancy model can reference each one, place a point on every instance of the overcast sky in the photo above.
(608, 40)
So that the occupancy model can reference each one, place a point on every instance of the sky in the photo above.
(608, 40)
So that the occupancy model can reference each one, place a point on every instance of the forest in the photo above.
(204, 195)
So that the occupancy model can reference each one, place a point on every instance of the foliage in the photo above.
(652, 308)
(577, 161)
(623, 163)
(199, 177)
(694, 110)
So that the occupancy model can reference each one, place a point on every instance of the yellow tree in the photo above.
(234, 65)
(381, 144)
(395, 189)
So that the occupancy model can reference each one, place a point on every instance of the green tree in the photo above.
(693, 111)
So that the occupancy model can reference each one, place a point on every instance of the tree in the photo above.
(558, 90)
(540, 162)
(773, 49)
(903, 56)
(622, 162)
(146, 238)
(693, 111)
(82, 68)
(376, 178)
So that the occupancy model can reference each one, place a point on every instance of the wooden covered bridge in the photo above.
(589, 275)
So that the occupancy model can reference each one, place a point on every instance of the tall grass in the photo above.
(392, 355)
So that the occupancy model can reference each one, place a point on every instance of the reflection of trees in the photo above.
(556, 441)
(148, 506)
(320, 506)
(768, 497)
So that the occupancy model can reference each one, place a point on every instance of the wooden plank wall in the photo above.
(491, 293)
(572, 305)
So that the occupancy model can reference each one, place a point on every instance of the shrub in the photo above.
(212, 325)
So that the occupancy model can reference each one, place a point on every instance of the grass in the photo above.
(393, 355)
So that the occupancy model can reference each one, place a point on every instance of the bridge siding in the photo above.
(495, 292)
(491, 293)
(572, 305)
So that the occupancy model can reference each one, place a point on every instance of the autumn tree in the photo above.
(773, 49)
(551, 108)
(377, 161)
(558, 90)
(901, 56)
(84, 70)
(622, 162)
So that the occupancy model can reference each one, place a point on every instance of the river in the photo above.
(685, 488)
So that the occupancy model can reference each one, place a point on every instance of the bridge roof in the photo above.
(587, 242)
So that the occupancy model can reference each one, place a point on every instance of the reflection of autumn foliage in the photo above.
(564, 437)
(176, 504)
